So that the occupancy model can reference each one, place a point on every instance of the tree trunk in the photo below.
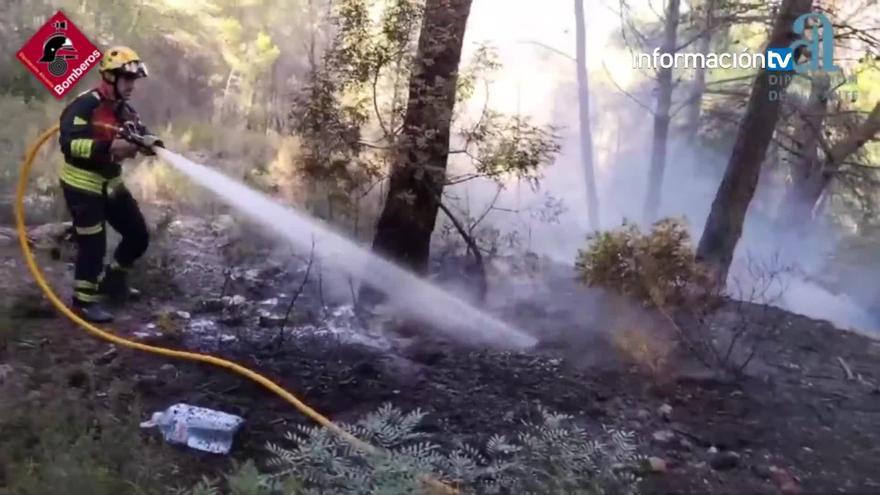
(586, 135)
(661, 116)
(725, 222)
(806, 176)
(695, 105)
(839, 154)
(403, 232)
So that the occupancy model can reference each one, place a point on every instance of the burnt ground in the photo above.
(795, 424)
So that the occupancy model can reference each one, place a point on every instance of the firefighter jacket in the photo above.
(88, 126)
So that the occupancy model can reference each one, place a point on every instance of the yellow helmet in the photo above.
(122, 60)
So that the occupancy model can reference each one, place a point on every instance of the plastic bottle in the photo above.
(196, 427)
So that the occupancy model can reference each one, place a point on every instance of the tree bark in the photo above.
(586, 135)
(869, 129)
(661, 116)
(725, 222)
(403, 232)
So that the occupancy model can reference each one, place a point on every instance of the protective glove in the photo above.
(133, 133)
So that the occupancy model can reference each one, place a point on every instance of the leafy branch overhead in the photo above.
(502, 147)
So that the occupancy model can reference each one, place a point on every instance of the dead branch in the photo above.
(625, 92)
(489, 208)
(846, 368)
(295, 296)
(472, 247)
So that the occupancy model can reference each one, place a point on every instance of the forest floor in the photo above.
(797, 424)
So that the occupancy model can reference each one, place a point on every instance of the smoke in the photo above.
(409, 295)
(538, 80)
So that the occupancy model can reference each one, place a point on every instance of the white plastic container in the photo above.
(196, 427)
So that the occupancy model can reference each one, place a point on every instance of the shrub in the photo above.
(656, 268)
(551, 456)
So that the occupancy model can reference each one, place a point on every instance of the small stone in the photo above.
(183, 315)
(663, 436)
(106, 357)
(724, 460)
(5, 372)
(269, 302)
(762, 471)
(643, 414)
(237, 300)
(211, 305)
(665, 411)
(268, 320)
(167, 373)
(657, 465)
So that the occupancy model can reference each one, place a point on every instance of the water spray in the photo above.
(409, 295)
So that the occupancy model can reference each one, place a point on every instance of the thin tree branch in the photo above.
(625, 92)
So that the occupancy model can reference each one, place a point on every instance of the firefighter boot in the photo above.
(92, 312)
(114, 285)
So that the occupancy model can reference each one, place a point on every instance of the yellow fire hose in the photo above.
(191, 356)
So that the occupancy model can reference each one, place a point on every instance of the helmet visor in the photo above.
(133, 69)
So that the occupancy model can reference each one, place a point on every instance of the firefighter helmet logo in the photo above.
(59, 55)
(56, 50)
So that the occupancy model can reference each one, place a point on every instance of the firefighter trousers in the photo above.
(91, 213)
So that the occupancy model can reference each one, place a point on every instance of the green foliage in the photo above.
(553, 455)
(508, 147)
(244, 479)
(655, 268)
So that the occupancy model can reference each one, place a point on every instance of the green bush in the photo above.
(655, 268)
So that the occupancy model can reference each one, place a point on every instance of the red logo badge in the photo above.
(59, 55)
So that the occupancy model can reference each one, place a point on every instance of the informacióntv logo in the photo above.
(821, 32)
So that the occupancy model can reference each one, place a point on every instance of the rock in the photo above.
(643, 414)
(223, 223)
(5, 372)
(657, 465)
(106, 357)
(269, 320)
(663, 436)
(665, 411)
(762, 471)
(269, 302)
(183, 315)
(728, 437)
(236, 300)
(721, 461)
(212, 305)
(8, 236)
(49, 233)
(167, 373)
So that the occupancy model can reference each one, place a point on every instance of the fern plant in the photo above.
(552, 456)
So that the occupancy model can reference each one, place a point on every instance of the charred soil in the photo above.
(805, 420)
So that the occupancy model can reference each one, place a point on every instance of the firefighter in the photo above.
(99, 130)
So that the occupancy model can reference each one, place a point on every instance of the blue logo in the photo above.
(780, 59)
(820, 45)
